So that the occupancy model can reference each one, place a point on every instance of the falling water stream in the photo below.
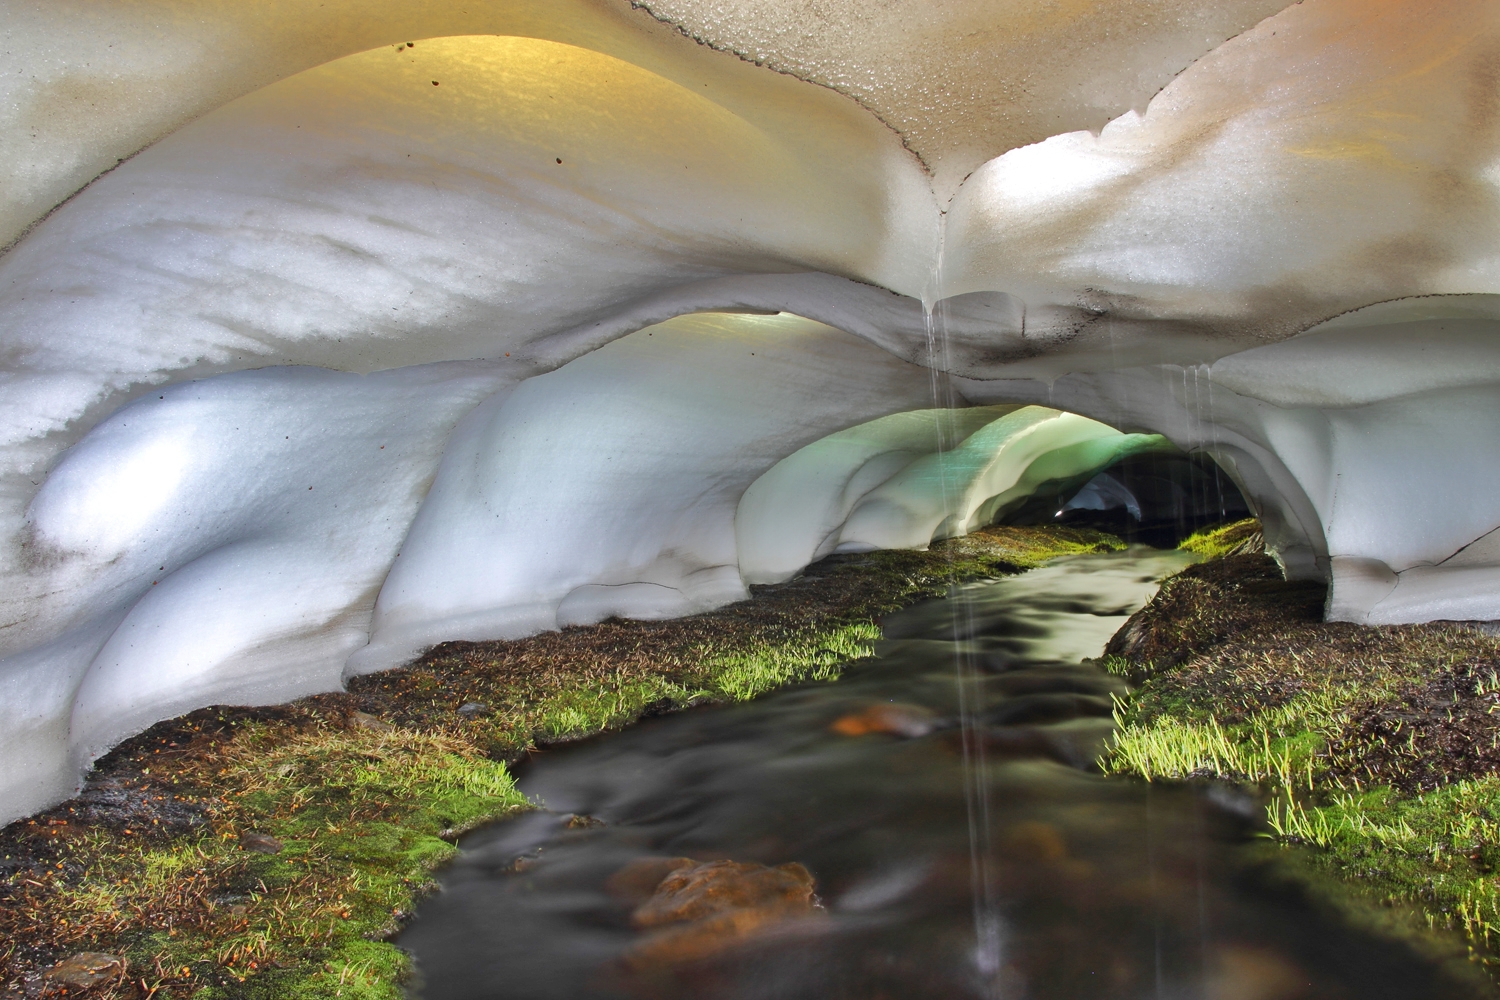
(1083, 886)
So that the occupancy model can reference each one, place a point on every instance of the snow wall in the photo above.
(554, 314)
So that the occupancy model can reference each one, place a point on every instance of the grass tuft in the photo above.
(744, 674)
(1239, 538)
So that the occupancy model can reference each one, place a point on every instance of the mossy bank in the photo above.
(1377, 749)
(260, 853)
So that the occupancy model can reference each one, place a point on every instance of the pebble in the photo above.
(366, 721)
(87, 968)
(259, 843)
(473, 709)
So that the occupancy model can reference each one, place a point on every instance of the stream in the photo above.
(940, 799)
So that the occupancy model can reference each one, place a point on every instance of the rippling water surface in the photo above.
(960, 849)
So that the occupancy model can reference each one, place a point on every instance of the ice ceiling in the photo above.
(347, 346)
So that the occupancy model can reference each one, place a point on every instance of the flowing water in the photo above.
(967, 850)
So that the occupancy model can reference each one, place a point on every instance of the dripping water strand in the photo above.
(1199, 438)
(1205, 433)
(987, 925)
(1213, 423)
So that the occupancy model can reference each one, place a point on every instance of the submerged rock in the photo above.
(699, 890)
(897, 719)
(699, 909)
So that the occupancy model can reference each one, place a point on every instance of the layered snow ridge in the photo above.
(371, 335)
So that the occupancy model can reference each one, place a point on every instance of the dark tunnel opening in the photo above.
(1155, 499)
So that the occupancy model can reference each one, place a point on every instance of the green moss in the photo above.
(352, 970)
(359, 814)
(1238, 538)
(738, 675)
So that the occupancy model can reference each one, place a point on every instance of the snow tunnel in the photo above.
(328, 337)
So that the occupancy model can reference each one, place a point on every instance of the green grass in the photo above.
(1371, 748)
(1225, 540)
(1438, 849)
(724, 673)
(1279, 745)
(740, 675)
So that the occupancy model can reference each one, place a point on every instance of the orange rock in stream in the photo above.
(887, 717)
(713, 887)
(701, 908)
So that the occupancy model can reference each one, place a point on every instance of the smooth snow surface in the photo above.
(649, 321)
(219, 541)
(610, 485)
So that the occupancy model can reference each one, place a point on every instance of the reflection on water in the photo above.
(868, 861)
